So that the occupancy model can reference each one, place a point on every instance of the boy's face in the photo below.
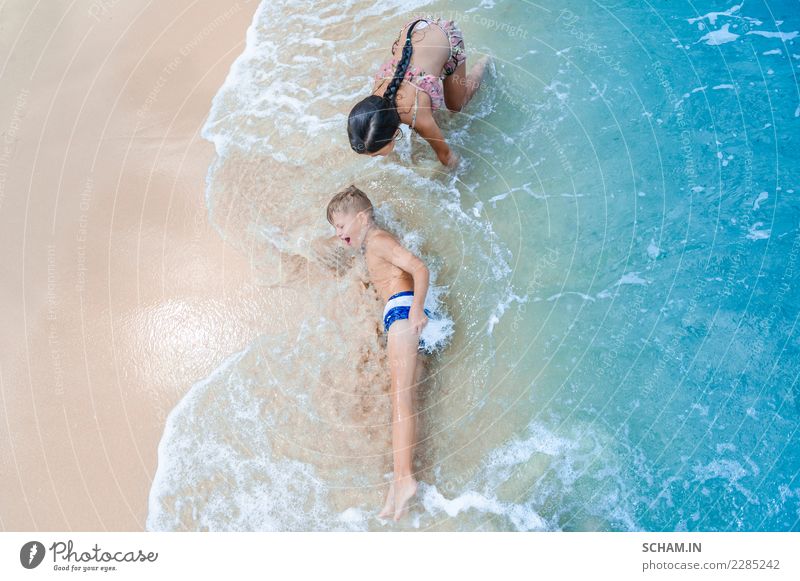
(350, 226)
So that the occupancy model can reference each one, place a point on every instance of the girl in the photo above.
(430, 72)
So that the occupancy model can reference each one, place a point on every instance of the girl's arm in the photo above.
(426, 126)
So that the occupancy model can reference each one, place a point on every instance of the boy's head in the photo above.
(350, 212)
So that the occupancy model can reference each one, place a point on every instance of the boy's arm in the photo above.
(393, 251)
(426, 126)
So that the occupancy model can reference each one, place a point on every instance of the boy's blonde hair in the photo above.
(350, 199)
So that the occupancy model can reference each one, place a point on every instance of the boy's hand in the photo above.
(418, 320)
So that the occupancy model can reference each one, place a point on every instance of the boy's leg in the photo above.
(419, 372)
(419, 375)
(402, 347)
(460, 87)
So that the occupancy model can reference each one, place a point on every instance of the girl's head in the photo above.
(373, 123)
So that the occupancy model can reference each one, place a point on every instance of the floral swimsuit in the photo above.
(421, 80)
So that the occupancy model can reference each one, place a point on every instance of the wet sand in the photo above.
(117, 294)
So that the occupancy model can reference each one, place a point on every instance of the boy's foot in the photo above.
(404, 490)
(388, 508)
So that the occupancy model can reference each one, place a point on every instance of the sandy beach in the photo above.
(117, 294)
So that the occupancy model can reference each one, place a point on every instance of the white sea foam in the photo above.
(627, 278)
(212, 478)
(771, 34)
(653, 250)
(717, 37)
(501, 308)
(712, 16)
(761, 197)
(542, 468)
(754, 233)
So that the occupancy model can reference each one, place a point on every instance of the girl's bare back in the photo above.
(431, 51)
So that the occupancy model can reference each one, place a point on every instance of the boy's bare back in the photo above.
(379, 248)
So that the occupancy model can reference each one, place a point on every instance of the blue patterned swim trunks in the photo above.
(398, 306)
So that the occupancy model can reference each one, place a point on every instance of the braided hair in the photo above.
(373, 122)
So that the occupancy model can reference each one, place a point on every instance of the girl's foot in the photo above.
(479, 68)
(475, 77)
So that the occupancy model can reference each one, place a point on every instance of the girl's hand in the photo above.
(452, 160)
(418, 320)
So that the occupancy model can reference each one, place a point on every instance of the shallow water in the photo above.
(618, 251)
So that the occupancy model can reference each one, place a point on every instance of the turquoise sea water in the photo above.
(619, 252)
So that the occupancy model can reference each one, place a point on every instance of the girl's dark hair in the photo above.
(373, 122)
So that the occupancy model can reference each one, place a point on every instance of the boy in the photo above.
(395, 272)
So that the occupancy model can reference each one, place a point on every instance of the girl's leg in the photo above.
(460, 87)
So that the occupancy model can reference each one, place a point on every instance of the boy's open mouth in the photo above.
(347, 239)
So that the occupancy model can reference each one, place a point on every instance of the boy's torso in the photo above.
(387, 278)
